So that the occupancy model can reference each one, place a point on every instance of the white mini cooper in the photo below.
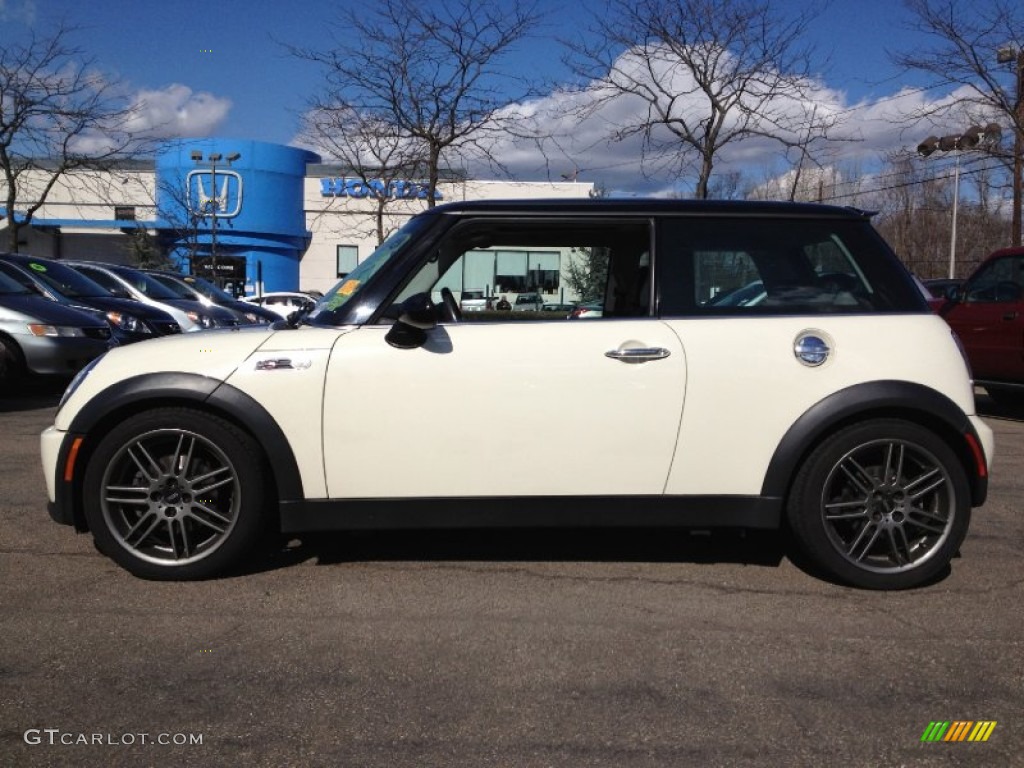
(836, 404)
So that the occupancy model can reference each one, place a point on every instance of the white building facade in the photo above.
(262, 216)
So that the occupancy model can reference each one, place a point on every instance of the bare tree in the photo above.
(373, 150)
(978, 48)
(429, 71)
(915, 214)
(57, 115)
(705, 74)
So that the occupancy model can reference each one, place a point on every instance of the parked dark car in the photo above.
(528, 302)
(987, 314)
(202, 290)
(129, 320)
(43, 337)
(556, 307)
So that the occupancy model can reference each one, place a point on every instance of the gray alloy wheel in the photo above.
(882, 505)
(175, 494)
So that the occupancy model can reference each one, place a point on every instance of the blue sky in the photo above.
(219, 67)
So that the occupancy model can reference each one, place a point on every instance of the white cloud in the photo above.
(168, 113)
(176, 111)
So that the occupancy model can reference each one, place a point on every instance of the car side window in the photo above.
(1000, 281)
(718, 266)
(518, 270)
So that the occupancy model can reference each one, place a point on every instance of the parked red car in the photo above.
(987, 314)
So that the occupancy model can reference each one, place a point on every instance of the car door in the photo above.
(989, 319)
(506, 409)
(503, 405)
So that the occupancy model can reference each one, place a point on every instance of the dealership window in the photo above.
(124, 213)
(348, 259)
(528, 270)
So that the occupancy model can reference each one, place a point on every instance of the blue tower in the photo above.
(228, 207)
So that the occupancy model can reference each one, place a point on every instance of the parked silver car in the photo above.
(43, 337)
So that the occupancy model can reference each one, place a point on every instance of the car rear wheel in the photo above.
(176, 494)
(882, 505)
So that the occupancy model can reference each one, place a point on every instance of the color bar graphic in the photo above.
(958, 730)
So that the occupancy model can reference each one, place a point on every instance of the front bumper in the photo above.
(49, 447)
(60, 355)
(54, 447)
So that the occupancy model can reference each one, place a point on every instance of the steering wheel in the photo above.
(450, 307)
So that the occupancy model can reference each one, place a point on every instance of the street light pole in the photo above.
(215, 206)
(956, 205)
(969, 139)
(215, 202)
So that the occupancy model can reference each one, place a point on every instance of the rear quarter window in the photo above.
(751, 266)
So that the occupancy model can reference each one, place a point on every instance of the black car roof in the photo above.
(652, 206)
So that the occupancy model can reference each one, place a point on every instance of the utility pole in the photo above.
(1015, 56)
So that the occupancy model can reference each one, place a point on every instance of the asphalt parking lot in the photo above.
(495, 649)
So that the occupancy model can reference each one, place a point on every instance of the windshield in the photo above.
(145, 284)
(66, 281)
(348, 287)
(181, 290)
(208, 289)
(9, 286)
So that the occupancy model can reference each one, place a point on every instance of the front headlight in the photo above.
(128, 323)
(203, 321)
(38, 329)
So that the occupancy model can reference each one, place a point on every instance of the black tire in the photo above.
(12, 366)
(884, 504)
(175, 494)
(1010, 398)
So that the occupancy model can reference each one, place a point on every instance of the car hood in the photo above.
(128, 306)
(247, 307)
(189, 305)
(35, 308)
(214, 354)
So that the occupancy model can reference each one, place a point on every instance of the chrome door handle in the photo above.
(638, 354)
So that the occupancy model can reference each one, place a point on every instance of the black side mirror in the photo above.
(417, 315)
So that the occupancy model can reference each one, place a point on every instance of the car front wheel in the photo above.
(176, 494)
(12, 367)
(882, 505)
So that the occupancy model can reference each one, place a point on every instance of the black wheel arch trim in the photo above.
(870, 400)
(168, 389)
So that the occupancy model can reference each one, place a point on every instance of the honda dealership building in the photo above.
(256, 215)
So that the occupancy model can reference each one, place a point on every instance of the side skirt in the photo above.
(532, 512)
